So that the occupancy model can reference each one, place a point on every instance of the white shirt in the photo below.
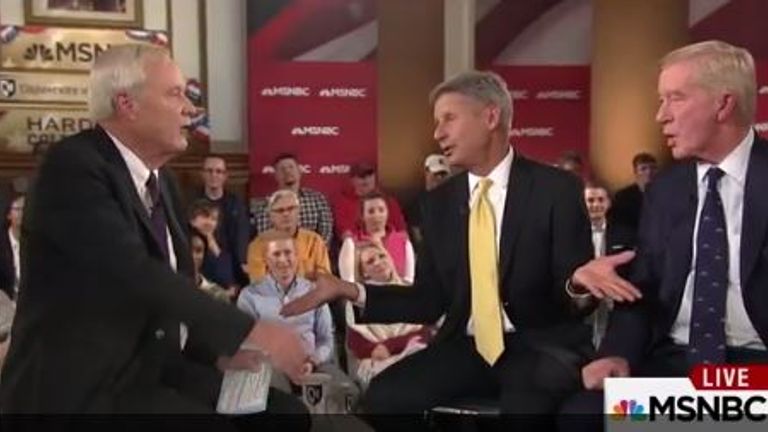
(15, 249)
(739, 331)
(497, 195)
(598, 238)
(140, 174)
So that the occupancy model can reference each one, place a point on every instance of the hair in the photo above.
(720, 66)
(592, 184)
(486, 87)
(202, 207)
(280, 194)
(119, 69)
(370, 197)
(363, 245)
(643, 158)
(214, 156)
(283, 156)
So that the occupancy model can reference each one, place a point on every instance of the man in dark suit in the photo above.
(702, 266)
(628, 202)
(108, 318)
(513, 274)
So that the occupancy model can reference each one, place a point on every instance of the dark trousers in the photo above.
(530, 382)
(584, 410)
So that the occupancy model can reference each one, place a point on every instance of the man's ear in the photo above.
(726, 105)
(124, 105)
(493, 116)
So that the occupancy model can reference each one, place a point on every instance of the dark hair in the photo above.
(283, 156)
(571, 156)
(643, 158)
(202, 207)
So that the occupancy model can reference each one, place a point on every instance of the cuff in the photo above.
(575, 291)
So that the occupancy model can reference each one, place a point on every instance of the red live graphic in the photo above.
(729, 377)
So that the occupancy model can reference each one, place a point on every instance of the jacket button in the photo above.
(159, 334)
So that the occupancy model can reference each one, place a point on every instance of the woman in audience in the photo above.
(374, 226)
(283, 208)
(199, 244)
(378, 346)
(10, 236)
(217, 262)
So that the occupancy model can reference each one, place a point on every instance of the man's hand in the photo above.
(599, 278)
(380, 352)
(327, 288)
(281, 346)
(594, 373)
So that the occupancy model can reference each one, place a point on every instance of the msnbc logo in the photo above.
(628, 408)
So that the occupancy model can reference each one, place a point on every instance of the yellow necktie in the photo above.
(484, 272)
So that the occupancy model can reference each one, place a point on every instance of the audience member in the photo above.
(217, 262)
(284, 208)
(375, 226)
(346, 204)
(315, 211)
(571, 161)
(10, 246)
(628, 202)
(198, 242)
(282, 284)
(232, 231)
(378, 346)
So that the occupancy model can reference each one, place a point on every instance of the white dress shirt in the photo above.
(739, 331)
(598, 238)
(16, 250)
(140, 174)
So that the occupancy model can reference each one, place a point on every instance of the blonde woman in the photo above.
(378, 346)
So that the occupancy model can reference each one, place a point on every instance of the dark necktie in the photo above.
(157, 214)
(710, 286)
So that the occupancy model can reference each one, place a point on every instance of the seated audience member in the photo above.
(232, 231)
(282, 284)
(7, 311)
(378, 346)
(10, 263)
(315, 210)
(217, 263)
(346, 204)
(436, 171)
(628, 202)
(284, 208)
(608, 238)
(199, 244)
(375, 226)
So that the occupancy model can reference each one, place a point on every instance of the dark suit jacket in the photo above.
(627, 205)
(7, 269)
(97, 325)
(664, 258)
(545, 236)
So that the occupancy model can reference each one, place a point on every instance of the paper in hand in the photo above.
(245, 391)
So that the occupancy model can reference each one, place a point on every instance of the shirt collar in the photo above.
(14, 241)
(139, 171)
(499, 175)
(735, 164)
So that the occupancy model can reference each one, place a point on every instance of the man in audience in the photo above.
(628, 202)
(315, 212)
(700, 263)
(232, 232)
(436, 171)
(510, 331)
(107, 295)
(282, 284)
(346, 204)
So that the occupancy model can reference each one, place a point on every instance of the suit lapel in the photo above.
(178, 236)
(125, 183)
(681, 233)
(755, 211)
(515, 205)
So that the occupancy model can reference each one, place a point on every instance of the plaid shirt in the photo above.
(315, 214)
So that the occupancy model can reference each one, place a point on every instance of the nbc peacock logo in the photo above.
(629, 408)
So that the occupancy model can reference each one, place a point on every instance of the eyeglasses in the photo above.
(281, 210)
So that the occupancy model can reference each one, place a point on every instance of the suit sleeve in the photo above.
(79, 211)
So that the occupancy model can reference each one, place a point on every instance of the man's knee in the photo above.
(387, 397)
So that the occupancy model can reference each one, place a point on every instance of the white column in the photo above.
(459, 36)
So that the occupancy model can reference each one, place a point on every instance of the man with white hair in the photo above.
(108, 319)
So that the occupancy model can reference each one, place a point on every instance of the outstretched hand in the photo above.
(327, 288)
(599, 277)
